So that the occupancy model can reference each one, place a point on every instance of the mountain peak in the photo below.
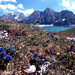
(36, 11)
(13, 16)
(48, 16)
(67, 11)
(49, 9)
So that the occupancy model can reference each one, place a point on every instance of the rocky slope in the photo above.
(13, 17)
(49, 16)
(37, 51)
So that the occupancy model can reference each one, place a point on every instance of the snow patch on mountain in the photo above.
(63, 19)
(12, 13)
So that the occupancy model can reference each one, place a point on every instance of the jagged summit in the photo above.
(13, 16)
(48, 16)
(48, 9)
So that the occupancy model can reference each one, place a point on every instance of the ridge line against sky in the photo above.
(29, 6)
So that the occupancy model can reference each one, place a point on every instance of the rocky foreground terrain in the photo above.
(35, 51)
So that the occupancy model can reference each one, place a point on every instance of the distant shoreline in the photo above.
(44, 25)
(41, 25)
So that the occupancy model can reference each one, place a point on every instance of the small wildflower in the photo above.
(31, 27)
(34, 56)
(38, 29)
(13, 51)
(68, 50)
(72, 46)
(35, 34)
(68, 41)
(64, 53)
(2, 54)
(8, 49)
(32, 30)
(48, 40)
(54, 33)
(8, 57)
(73, 52)
(57, 53)
(9, 20)
(42, 62)
(51, 35)
(48, 33)
(69, 55)
(0, 57)
(1, 49)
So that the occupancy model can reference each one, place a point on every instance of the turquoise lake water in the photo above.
(56, 28)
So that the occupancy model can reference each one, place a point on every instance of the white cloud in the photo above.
(8, 1)
(11, 7)
(3, 7)
(69, 4)
(72, 6)
(20, 6)
(8, 6)
(66, 3)
(26, 12)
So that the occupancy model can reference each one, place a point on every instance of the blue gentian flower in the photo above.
(36, 29)
(48, 40)
(1, 49)
(42, 62)
(0, 57)
(54, 33)
(68, 41)
(32, 30)
(51, 35)
(34, 56)
(13, 51)
(8, 49)
(3, 54)
(8, 57)
(48, 33)
(71, 46)
(68, 50)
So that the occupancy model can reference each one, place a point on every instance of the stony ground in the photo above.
(28, 40)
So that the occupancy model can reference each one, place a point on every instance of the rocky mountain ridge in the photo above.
(48, 16)
(13, 17)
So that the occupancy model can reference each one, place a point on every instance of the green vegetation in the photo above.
(72, 30)
(69, 32)
(28, 40)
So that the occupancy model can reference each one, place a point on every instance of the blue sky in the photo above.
(29, 6)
